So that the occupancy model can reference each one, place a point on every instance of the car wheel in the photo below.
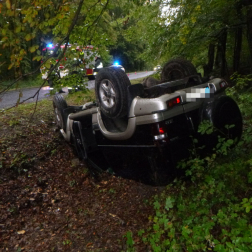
(59, 104)
(111, 92)
(221, 112)
(176, 69)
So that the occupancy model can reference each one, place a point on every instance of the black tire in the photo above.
(220, 112)
(176, 69)
(59, 104)
(111, 92)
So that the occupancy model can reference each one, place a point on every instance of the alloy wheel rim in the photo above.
(107, 94)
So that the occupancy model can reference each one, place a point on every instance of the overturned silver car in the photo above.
(142, 129)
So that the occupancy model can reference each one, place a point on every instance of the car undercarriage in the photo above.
(145, 131)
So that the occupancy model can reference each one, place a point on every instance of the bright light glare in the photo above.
(50, 45)
(116, 63)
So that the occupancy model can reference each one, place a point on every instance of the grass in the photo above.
(136, 81)
(28, 82)
(80, 97)
(27, 109)
(25, 114)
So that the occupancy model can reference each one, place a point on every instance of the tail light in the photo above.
(223, 84)
(173, 102)
(159, 132)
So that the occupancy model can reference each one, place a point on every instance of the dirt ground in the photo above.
(50, 202)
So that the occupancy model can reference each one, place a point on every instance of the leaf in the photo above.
(230, 141)
(10, 66)
(141, 232)
(32, 49)
(168, 203)
(47, 64)
(18, 29)
(156, 205)
(21, 232)
(38, 58)
(8, 4)
(28, 37)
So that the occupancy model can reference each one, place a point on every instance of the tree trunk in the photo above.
(237, 49)
(220, 61)
(223, 53)
(217, 61)
(238, 39)
(249, 32)
(208, 68)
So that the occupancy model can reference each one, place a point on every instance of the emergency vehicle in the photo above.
(86, 59)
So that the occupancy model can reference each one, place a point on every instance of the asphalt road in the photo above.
(10, 98)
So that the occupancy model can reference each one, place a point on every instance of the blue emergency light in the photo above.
(49, 45)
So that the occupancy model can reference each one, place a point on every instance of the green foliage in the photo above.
(19, 160)
(129, 242)
(29, 25)
(247, 204)
(241, 92)
(79, 98)
(72, 183)
(184, 28)
(223, 145)
(157, 75)
(208, 214)
(206, 127)
(111, 190)
(241, 81)
(75, 81)
(128, 44)
(67, 242)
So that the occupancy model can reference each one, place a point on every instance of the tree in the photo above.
(26, 26)
(127, 45)
(208, 32)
